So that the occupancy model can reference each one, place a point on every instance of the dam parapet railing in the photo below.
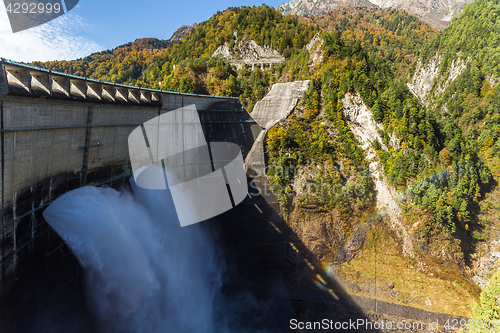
(17, 79)
(60, 132)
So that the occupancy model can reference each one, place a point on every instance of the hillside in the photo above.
(470, 103)
(394, 36)
(418, 175)
(437, 189)
(188, 66)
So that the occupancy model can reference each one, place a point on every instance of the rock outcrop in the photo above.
(423, 80)
(427, 83)
(314, 48)
(318, 7)
(248, 52)
(360, 120)
(182, 32)
(438, 13)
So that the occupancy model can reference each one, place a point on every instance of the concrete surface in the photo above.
(276, 106)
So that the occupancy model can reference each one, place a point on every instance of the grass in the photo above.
(426, 285)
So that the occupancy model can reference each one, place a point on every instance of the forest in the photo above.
(446, 156)
(365, 51)
(368, 51)
(189, 66)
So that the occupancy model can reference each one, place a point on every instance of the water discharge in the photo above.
(144, 273)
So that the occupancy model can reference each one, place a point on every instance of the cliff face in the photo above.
(428, 84)
(182, 32)
(248, 52)
(360, 120)
(246, 49)
(438, 13)
(314, 48)
(422, 81)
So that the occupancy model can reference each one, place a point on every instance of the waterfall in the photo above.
(144, 273)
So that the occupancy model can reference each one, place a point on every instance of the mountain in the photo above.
(318, 7)
(395, 36)
(150, 43)
(180, 33)
(457, 77)
(437, 13)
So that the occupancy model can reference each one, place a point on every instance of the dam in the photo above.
(61, 132)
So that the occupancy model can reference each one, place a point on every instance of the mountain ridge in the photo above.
(155, 43)
(438, 13)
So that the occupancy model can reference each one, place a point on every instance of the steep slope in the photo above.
(394, 36)
(437, 13)
(427, 146)
(360, 120)
(471, 104)
(246, 52)
(428, 83)
(473, 39)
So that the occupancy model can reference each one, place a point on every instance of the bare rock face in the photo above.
(182, 32)
(427, 78)
(248, 52)
(438, 13)
(423, 79)
(314, 48)
(246, 49)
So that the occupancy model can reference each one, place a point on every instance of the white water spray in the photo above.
(144, 272)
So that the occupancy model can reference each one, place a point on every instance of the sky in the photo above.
(95, 25)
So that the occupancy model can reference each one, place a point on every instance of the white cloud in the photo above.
(55, 40)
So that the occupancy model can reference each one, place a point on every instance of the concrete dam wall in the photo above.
(60, 132)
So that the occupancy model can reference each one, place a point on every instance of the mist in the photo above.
(144, 273)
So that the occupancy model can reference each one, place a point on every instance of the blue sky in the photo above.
(96, 25)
